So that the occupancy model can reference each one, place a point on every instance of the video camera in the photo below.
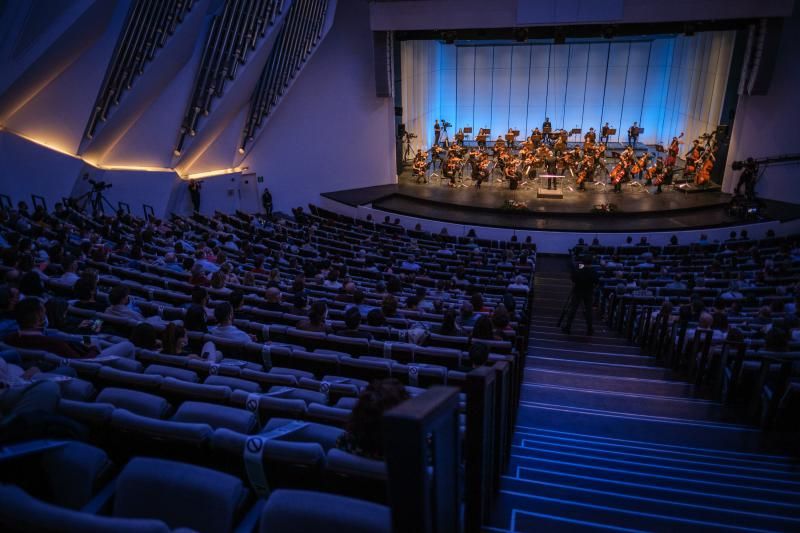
(446, 124)
(410, 135)
(99, 186)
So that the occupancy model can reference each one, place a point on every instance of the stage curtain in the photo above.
(667, 84)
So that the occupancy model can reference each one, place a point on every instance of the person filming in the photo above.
(584, 281)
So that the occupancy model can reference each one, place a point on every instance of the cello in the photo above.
(640, 164)
(703, 175)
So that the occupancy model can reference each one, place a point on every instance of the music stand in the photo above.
(660, 148)
(467, 131)
(576, 131)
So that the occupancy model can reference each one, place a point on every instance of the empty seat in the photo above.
(181, 495)
(130, 380)
(217, 416)
(75, 472)
(324, 435)
(319, 364)
(294, 393)
(20, 511)
(233, 383)
(165, 431)
(93, 414)
(297, 511)
(172, 372)
(137, 402)
(183, 390)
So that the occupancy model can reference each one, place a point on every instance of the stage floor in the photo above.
(637, 207)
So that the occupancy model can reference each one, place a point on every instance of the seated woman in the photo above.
(175, 341)
(316, 320)
(363, 432)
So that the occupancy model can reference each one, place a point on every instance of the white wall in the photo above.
(420, 75)
(767, 126)
(330, 132)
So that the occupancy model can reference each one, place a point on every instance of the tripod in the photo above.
(96, 199)
(408, 150)
(445, 138)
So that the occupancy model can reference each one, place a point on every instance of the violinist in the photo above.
(560, 146)
(605, 131)
(436, 155)
(460, 137)
(481, 138)
(510, 172)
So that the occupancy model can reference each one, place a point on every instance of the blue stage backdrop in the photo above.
(667, 84)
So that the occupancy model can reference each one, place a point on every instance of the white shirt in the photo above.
(230, 332)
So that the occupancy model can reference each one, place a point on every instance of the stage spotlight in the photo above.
(449, 37)
(608, 32)
(521, 35)
(176, 152)
(241, 149)
(559, 37)
(688, 29)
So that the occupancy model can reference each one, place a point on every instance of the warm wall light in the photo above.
(144, 168)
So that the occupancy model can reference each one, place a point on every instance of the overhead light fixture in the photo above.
(449, 36)
(521, 35)
(176, 152)
(241, 149)
(688, 29)
(559, 37)
(608, 32)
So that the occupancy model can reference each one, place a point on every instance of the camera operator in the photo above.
(437, 132)
(584, 281)
(747, 179)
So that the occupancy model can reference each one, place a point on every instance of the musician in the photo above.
(588, 166)
(536, 137)
(510, 172)
(626, 159)
(657, 174)
(550, 165)
(633, 134)
(460, 137)
(437, 132)
(605, 131)
(481, 139)
(589, 139)
(547, 129)
(672, 151)
(747, 179)
(692, 158)
(560, 146)
(419, 166)
(436, 156)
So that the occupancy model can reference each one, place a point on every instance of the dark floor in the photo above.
(608, 440)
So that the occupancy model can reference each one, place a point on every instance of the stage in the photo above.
(637, 208)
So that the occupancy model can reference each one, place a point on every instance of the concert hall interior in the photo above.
(429, 266)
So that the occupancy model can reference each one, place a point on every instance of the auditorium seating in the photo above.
(290, 389)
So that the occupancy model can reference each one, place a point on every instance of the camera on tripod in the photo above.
(446, 124)
(100, 186)
(410, 135)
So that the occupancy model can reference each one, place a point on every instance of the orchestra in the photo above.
(547, 153)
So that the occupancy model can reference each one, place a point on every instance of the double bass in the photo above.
(703, 175)
(640, 164)
(672, 151)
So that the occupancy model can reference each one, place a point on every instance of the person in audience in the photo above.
(412, 304)
(518, 284)
(198, 277)
(389, 306)
(272, 300)
(223, 313)
(31, 285)
(85, 290)
(31, 315)
(145, 336)
(501, 322)
(375, 318)
(299, 304)
(317, 318)
(9, 296)
(196, 318)
(358, 303)
(676, 284)
(467, 316)
(449, 325)
(363, 435)
(175, 341)
(70, 275)
(478, 356)
(732, 293)
(352, 321)
(19, 395)
(332, 280)
(483, 329)
(410, 264)
(120, 301)
(58, 319)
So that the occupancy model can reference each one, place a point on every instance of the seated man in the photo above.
(120, 300)
(352, 320)
(85, 291)
(19, 395)
(223, 312)
(30, 315)
(272, 300)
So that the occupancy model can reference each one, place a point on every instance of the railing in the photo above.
(295, 42)
(148, 26)
(233, 32)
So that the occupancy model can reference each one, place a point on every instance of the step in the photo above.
(560, 361)
(662, 430)
(761, 460)
(587, 345)
(599, 356)
(668, 388)
(628, 506)
(523, 511)
(627, 403)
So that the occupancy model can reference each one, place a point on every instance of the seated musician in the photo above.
(460, 137)
(536, 137)
(560, 146)
(657, 174)
(590, 138)
(436, 155)
(626, 159)
(420, 164)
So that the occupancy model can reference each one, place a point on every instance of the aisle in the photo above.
(606, 439)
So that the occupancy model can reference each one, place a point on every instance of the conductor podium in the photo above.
(555, 193)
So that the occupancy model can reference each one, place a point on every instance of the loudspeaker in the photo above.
(382, 42)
